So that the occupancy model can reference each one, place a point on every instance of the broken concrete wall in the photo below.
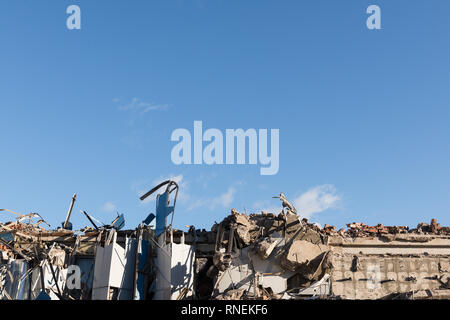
(379, 276)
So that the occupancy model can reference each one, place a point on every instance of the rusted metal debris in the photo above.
(255, 256)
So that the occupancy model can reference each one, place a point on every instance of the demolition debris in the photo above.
(244, 257)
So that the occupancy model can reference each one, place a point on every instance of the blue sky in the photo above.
(363, 115)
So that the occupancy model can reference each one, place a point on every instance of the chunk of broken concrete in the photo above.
(243, 234)
(243, 227)
(234, 294)
(265, 247)
(300, 253)
(222, 260)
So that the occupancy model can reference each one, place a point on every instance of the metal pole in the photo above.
(74, 198)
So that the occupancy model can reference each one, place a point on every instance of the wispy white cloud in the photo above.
(205, 180)
(177, 178)
(139, 106)
(134, 117)
(316, 200)
(109, 207)
(223, 200)
(313, 201)
(265, 206)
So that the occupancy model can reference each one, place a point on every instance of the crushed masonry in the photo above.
(256, 256)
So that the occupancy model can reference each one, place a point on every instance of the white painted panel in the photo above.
(114, 267)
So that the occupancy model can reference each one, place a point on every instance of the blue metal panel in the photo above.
(69, 225)
(43, 296)
(119, 223)
(162, 211)
(141, 275)
(7, 236)
(149, 219)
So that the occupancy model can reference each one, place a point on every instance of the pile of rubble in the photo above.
(268, 247)
(281, 256)
(256, 256)
(36, 263)
(432, 228)
(356, 229)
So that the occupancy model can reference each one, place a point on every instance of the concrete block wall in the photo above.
(377, 276)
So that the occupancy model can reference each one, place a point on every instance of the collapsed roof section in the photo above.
(281, 256)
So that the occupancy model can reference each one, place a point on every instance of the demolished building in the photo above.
(256, 256)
